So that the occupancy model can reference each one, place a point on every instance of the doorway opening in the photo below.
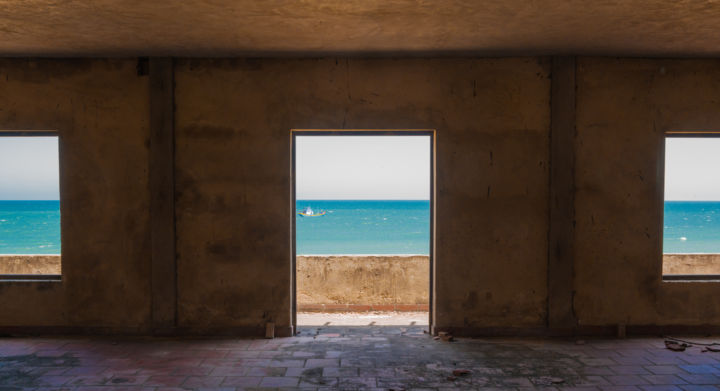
(362, 227)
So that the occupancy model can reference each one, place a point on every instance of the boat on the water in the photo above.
(308, 212)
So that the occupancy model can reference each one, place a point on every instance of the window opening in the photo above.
(30, 244)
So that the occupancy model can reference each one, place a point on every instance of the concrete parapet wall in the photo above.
(363, 283)
(691, 264)
(29, 264)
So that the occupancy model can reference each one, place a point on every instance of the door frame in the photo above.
(364, 132)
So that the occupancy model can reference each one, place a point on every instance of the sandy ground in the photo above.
(362, 319)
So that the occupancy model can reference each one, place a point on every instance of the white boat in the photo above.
(308, 212)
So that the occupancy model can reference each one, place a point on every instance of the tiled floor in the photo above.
(352, 358)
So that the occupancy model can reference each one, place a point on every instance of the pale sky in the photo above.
(362, 167)
(29, 168)
(692, 169)
(357, 167)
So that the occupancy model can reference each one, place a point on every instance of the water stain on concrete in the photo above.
(210, 133)
(14, 369)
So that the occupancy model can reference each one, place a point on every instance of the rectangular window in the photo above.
(29, 205)
(691, 223)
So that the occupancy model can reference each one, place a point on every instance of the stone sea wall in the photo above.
(363, 283)
(29, 264)
(691, 264)
(362, 279)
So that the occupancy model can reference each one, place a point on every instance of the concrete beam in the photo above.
(561, 233)
(162, 194)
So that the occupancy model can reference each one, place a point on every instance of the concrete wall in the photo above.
(363, 282)
(233, 124)
(30, 264)
(360, 282)
(691, 264)
(624, 106)
(100, 109)
(233, 200)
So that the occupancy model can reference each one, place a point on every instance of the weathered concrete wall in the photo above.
(100, 109)
(232, 167)
(363, 280)
(624, 106)
(233, 124)
(691, 264)
(30, 264)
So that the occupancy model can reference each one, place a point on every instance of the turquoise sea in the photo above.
(354, 227)
(29, 227)
(691, 227)
(363, 227)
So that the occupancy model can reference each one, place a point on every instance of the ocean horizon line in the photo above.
(344, 199)
(692, 200)
(26, 200)
(361, 199)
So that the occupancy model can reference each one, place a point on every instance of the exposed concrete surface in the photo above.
(29, 264)
(233, 124)
(363, 280)
(100, 109)
(562, 194)
(691, 264)
(280, 27)
(233, 208)
(362, 318)
(624, 108)
(161, 167)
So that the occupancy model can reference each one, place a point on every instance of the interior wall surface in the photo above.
(233, 167)
(233, 175)
(100, 110)
(624, 108)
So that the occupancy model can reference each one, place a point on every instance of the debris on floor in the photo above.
(676, 346)
(270, 330)
(444, 336)
(546, 381)
(460, 372)
(680, 345)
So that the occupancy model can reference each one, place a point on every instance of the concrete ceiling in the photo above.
(358, 27)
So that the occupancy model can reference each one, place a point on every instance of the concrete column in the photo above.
(561, 316)
(162, 193)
